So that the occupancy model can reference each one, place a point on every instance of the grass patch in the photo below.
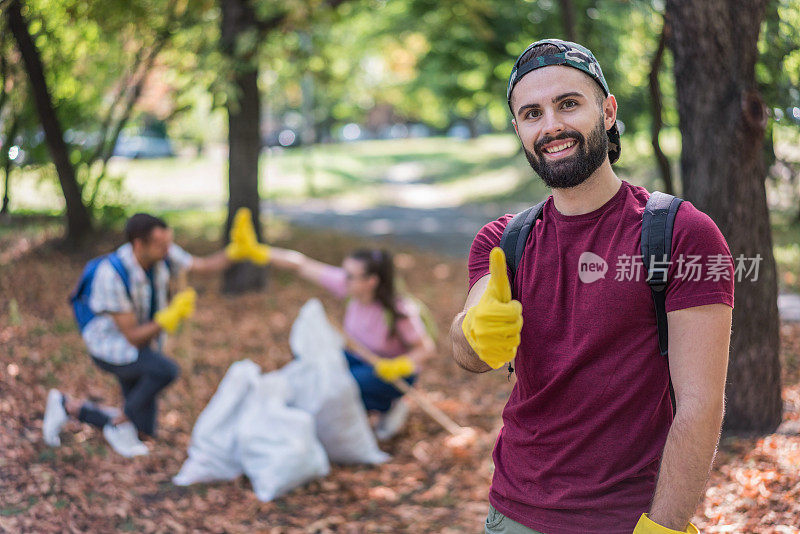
(128, 525)
(47, 455)
(14, 510)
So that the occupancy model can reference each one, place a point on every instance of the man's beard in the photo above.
(575, 169)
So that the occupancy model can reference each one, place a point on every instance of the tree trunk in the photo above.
(244, 141)
(10, 135)
(655, 110)
(79, 223)
(722, 122)
(568, 20)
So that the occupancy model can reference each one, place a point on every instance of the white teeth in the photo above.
(560, 147)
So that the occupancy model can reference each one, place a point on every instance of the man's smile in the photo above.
(559, 149)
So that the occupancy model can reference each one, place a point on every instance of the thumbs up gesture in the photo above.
(244, 244)
(492, 327)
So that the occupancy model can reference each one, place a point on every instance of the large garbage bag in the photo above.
(213, 453)
(277, 444)
(282, 428)
(321, 384)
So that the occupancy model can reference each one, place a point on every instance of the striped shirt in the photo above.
(101, 335)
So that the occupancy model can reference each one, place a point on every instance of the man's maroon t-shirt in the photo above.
(586, 422)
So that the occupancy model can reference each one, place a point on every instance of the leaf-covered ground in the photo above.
(83, 486)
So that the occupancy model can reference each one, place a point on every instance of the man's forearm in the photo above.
(688, 455)
(210, 264)
(141, 335)
(463, 354)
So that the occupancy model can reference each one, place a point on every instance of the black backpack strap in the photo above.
(515, 235)
(658, 221)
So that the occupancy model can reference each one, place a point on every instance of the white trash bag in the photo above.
(277, 444)
(322, 385)
(213, 451)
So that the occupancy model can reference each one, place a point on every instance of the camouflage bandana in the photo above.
(570, 55)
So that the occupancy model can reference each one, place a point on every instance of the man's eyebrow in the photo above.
(565, 95)
(556, 99)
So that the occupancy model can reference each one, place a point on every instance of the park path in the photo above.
(447, 230)
(406, 207)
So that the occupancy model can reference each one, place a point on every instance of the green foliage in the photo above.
(94, 55)
(434, 61)
(14, 317)
(778, 68)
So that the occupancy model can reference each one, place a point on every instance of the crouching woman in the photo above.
(377, 317)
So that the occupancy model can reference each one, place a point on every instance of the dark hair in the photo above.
(140, 226)
(379, 262)
(548, 50)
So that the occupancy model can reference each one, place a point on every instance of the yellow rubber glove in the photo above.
(391, 369)
(244, 244)
(492, 326)
(181, 307)
(648, 526)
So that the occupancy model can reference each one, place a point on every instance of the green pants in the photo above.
(497, 523)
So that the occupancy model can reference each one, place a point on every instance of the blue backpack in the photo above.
(79, 299)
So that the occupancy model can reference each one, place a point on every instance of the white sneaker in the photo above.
(124, 439)
(55, 417)
(392, 421)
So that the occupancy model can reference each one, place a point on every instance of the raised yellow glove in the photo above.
(648, 526)
(391, 369)
(244, 244)
(181, 307)
(492, 326)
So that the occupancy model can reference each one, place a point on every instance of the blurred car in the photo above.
(143, 146)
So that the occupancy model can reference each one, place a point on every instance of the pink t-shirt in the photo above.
(587, 419)
(368, 323)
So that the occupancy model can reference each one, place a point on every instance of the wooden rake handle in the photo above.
(419, 397)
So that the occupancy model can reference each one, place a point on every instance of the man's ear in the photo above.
(514, 122)
(609, 111)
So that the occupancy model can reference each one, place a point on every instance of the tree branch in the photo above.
(656, 111)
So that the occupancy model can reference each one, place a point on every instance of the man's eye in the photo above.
(533, 114)
(569, 104)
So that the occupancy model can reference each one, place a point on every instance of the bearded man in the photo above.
(592, 441)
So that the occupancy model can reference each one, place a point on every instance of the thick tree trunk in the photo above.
(244, 140)
(722, 121)
(655, 111)
(79, 223)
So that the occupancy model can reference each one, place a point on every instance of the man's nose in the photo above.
(551, 124)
